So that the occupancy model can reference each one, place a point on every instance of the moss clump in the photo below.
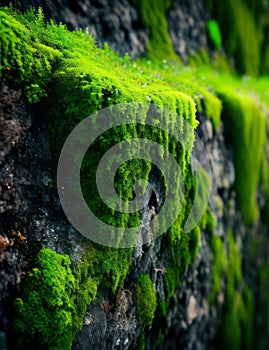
(245, 125)
(53, 303)
(146, 301)
(25, 57)
(51, 308)
(214, 33)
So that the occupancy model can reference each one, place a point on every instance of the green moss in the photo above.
(219, 265)
(23, 57)
(142, 342)
(245, 125)
(53, 302)
(242, 36)
(208, 222)
(152, 15)
(47, 60)
(51, 309)
(222, 64)
(214, 33)
(146, 301)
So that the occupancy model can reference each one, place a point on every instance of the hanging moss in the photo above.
(245, 125)
(152, 15)
(242, 36)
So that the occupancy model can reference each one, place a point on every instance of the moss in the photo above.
(23, 57)
(142, 342)
(219, 265)
(146, 301)
(51, 309)
(242, 36)
(201, 191)
(245, 125)
(152, 15)
(94, 86)
(214, 33)
(222, 64)
(53, 302)
(208, 222)
(41, 58)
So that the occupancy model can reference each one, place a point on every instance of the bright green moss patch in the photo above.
(53, 302)
(71, 78)
(51, 308)
(214, 33)
(145, 300)
(183, 248)
(24, 58)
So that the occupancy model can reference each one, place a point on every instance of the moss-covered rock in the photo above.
(69, 78)
(145, 300)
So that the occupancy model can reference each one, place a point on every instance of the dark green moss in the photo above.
(219, 265)
(237, 323)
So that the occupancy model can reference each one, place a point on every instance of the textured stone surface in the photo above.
(186, 23)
